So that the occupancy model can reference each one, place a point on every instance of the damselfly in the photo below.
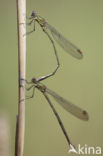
(62, 41)
(67, 105)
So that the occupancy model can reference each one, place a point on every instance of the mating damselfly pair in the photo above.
(36, 83)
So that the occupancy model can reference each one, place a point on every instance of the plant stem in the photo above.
(21, 14)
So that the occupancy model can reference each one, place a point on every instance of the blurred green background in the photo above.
(80, 81)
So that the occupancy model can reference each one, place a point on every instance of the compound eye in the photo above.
(33, 80)
(33, 13)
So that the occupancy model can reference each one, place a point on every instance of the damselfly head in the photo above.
(33, 80)
(33, 14)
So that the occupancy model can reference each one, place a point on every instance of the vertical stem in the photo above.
(21, 24)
